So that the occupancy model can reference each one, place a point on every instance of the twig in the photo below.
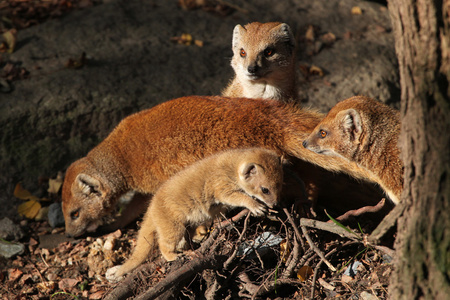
(224, 224)
(182, 274)
(330, 227)
(297, 232)
(127, 286)
(362, 210)
(317, 250)
(316, 271)
(293, 262)
(387, 223)
(233, 256)
(334, 228)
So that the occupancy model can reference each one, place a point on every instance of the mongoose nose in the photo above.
(305, 144)
(252, 69)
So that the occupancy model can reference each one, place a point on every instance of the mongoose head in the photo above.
(262, 177)
(85, 198)
(337, 134)
(263, 51)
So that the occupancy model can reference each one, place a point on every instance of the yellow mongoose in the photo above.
(365, 131)
(264, 62)
(250, 178)
(149, 147)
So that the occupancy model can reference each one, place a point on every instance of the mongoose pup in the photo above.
(365, 131)
(148, 147)
(250, 178)
(264, 62)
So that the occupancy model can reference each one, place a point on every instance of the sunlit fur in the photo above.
(270, 76)
(197, 194)
(147, 148)
(364, 131)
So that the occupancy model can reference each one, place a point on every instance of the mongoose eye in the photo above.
(75, 214)
(265, 191)
(322, 133)
(243, 53)
(269, 52)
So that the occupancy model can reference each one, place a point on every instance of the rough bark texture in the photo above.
(421, 30)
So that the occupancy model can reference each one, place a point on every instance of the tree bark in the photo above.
(421, 30)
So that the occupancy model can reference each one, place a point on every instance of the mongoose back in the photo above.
(148, 147)
(264, 62)
(365, 131)
(249, 178)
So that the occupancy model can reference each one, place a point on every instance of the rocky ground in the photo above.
(77, 70)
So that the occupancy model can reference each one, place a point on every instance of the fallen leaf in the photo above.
(76, 63)
(55, 184)
(315, 70)
(46, 287)
(67, 283)
(14, 274)
(356, 10)
(29, 209)
(23, 194)
(346, 278)
(97, 295)
(328, 38)
(309, 35)
(285, 248)
(304, 273)
(198, 43)
(186, 39)
(326, 285)
(9, 43)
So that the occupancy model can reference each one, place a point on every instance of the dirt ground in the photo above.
(79, 67)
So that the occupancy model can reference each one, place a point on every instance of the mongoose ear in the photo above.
(237, 33)
(88, 185)
(286, 34)
(247, 170)
(351, 122)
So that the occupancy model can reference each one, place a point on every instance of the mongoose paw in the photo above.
(169, 255)
(112, 274)
(259, 209)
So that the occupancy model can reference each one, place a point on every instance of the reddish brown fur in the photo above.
(148, 147)
(372, 144)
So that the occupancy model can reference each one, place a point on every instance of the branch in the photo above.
(182, 274)
(387, 223)
(362, 210)
(317, 250)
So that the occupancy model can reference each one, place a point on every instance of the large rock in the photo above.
(59, 114)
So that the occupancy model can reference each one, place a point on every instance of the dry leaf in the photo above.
(285, 249)
(356, 10)
(23, 194)
(29, 209)
(309, 35)
(315, 70)
(14, 274)
(76, 63)
(198, 43)
(55, 184)
(304, 273)
(346, 278)
(67, 283)
(97, 295)
(46, 287)
(9, 43)
(328, 38)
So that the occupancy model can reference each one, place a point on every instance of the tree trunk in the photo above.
(421, 29)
